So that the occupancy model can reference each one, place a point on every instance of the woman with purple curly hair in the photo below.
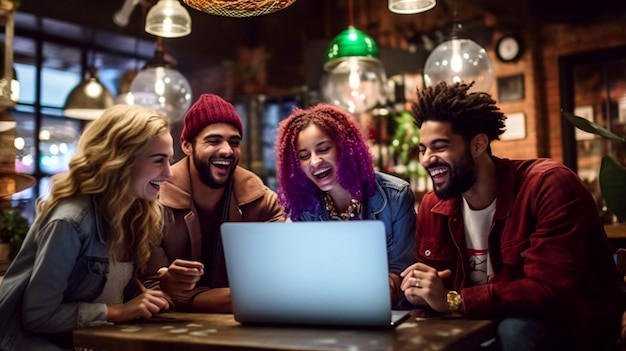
(325, 172)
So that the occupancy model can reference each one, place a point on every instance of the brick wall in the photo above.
(544, 42)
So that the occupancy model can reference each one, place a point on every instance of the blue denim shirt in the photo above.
(394, 204)
(61, 267)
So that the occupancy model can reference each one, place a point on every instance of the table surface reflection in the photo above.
(199, 331)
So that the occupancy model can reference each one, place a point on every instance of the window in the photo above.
(48, 65)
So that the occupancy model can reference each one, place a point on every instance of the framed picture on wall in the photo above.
(515, 127)
(585, 111)
(511, 88)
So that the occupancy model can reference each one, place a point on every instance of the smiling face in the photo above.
(152, 168)
(446, 157)
(215, 153)
(318, 157)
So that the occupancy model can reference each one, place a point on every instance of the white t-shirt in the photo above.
(477, 227)
(120, 274)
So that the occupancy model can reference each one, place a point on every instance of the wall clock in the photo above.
(509, 48)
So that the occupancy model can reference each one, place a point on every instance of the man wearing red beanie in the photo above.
(207, 189)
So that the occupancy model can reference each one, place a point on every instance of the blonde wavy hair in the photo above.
(102, 167)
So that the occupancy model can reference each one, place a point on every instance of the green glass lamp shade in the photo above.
(350, 43)
(355, 79)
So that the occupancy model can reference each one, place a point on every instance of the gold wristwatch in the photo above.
(454, 301)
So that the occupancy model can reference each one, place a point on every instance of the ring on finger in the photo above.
(417, 283)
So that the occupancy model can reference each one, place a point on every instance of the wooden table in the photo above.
(196, 331)
(615, 231)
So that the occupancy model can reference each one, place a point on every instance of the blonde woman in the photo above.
(92, 236)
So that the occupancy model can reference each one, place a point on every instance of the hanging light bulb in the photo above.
(459, 60)
(160, 86)
(168, 19)
(355, 79)
(88, 99)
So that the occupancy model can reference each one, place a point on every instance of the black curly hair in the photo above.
(468, 113)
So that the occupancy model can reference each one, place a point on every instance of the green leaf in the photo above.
(591, 127)
(613, 186)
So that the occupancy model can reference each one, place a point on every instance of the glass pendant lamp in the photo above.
(354, 78)
(406, 7)
(459, 59)
(168, 19)
(161, 86)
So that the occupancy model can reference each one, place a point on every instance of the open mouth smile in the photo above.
(322, 173)
(223, 164)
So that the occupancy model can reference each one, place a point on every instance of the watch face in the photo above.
(508, 49)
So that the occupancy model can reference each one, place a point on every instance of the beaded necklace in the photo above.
(353, 210)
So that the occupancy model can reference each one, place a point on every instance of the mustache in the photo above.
(438, 164)
(213, 158)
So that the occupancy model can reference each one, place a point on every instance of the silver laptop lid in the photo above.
(326, 273)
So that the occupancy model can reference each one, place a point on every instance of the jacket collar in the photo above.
(377, 201)
(505, 179)
(176, 191)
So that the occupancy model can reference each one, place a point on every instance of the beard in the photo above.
(462, 177)
(204, 170)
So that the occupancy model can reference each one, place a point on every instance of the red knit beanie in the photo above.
(207, 110)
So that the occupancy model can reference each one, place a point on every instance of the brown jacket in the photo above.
(251, 201)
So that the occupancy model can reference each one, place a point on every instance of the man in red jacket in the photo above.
(516, 241)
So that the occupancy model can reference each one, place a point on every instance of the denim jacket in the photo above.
(60, 268)
(394, 204)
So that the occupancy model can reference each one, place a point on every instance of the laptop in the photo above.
(332, 273)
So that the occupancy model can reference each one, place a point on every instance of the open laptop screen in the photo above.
(327, 273)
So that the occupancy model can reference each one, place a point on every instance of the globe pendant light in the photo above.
(459, 60)
(355, 78)
(160, 86)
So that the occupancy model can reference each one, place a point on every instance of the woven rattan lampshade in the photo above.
(238, 8)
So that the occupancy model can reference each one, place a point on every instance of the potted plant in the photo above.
(612, 174)
(13, 229)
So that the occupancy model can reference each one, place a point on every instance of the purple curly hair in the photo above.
(355, 171)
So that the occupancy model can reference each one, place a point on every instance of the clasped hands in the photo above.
(181, 275)
(423, 285)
